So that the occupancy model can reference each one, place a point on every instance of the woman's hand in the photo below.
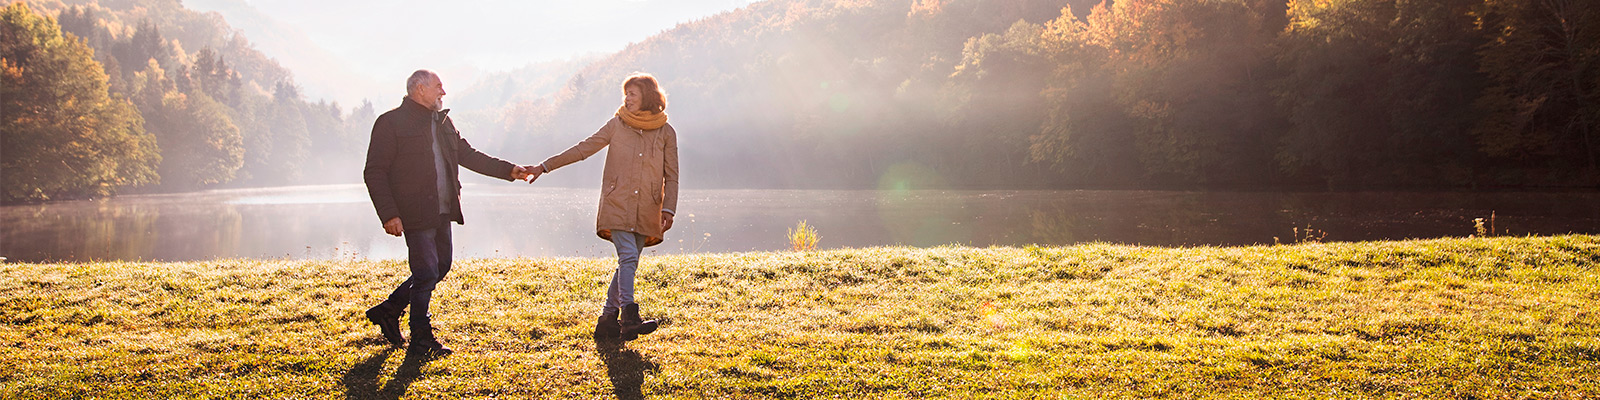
(666, 221)
(533, 172)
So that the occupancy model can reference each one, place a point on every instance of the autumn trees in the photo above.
(62, 134)
(1542, 100)
(1379, 92)
(1164, 92)
(1335, 93)
(97, 103)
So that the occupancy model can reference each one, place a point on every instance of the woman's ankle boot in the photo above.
(632, 325)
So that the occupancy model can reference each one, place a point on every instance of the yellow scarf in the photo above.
(643, 120)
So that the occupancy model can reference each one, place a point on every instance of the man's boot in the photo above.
(607, 328)
(423, 341)
(388, 322)
(632, 325)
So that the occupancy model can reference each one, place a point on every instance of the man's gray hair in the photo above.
(417, 79)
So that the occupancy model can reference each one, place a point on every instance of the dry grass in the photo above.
(1446, 318)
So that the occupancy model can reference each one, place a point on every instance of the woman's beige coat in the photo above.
(640, 178)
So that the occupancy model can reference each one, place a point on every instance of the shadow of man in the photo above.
(361, 381)
(626, 368)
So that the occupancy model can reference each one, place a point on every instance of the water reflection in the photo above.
(242, 223)
(505, 220)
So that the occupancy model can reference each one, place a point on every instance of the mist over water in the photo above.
(505, 220)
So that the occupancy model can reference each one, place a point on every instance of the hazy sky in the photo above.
(386, 40)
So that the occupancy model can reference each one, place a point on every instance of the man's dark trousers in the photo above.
(430, 260)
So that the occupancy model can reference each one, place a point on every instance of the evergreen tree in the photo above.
(289, 137)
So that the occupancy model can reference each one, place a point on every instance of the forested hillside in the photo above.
(1139, 93)
(809, 94)
(212, 110)
(481, 108)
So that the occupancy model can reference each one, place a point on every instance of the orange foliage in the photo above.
(925, 8)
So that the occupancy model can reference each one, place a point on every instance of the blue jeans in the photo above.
(621, 291)
(429, 256)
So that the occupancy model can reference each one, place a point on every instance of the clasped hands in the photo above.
(527, 172)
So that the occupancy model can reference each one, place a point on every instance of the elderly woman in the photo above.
(638, 192)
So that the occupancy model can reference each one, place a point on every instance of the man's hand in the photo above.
(666, 221)
(393, 227)
(519, 172)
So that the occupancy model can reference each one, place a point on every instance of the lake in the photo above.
(506, 220)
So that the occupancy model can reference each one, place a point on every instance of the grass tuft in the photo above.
(803, 237)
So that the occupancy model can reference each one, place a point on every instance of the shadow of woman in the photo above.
(626, 368)
(361, 381)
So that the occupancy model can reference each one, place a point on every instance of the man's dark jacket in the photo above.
(400, 173)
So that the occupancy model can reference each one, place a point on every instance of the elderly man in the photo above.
(413, 179)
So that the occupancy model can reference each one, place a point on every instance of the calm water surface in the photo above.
(333, 222)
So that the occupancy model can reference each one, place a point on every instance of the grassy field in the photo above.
(1446, 318)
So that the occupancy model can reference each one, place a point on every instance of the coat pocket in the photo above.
(610, 198)
(609, 186)
(612, 205)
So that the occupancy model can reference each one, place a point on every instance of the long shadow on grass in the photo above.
(626, 368)
(361, 381)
